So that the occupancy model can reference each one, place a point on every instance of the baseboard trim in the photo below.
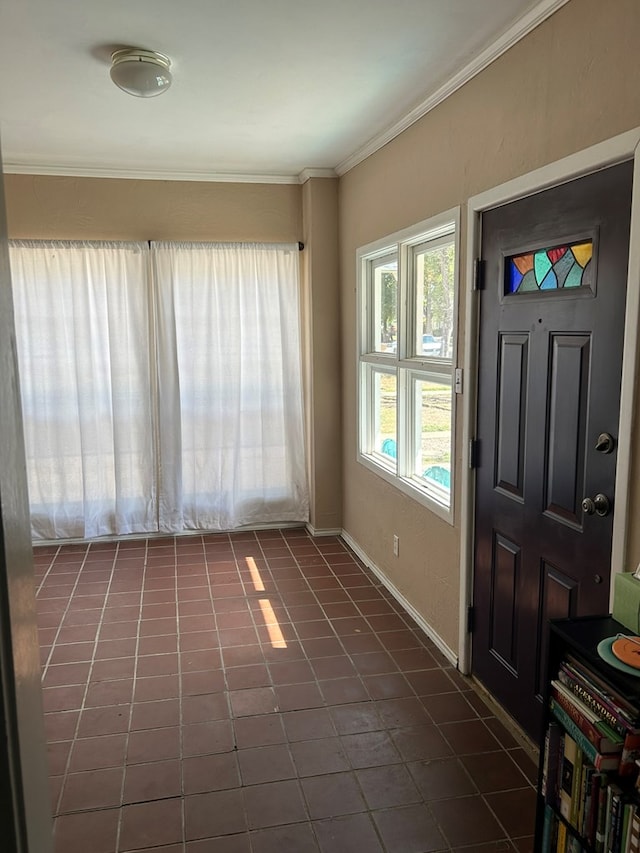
(323, 531)
(449, 654)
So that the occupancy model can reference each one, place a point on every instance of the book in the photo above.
(601, 824)
(602, 736)
(561, 843)
(598, 781)
(547, 830)
(621, 706)
(590, 696)
(552, 752)
(569, 755)
(576, 788)
(601, 761)
(634, 835)
(623, 846)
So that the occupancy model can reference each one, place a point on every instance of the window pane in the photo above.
(385, 399)
(434, 277)
(550, 269)
(433, 436)
(384, 278)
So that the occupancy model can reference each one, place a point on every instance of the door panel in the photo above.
(512, 407)
(551, 330)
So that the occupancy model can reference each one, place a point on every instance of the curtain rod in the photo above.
(300, 244)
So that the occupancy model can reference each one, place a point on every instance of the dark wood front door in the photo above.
(551, 339)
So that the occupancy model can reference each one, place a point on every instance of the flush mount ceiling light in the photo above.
(143, 73)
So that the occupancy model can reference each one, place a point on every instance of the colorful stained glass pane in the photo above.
(542, 265)
(556, 268)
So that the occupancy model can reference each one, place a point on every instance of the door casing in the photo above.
(612, 151)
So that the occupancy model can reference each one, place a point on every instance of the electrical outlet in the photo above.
(396, 545)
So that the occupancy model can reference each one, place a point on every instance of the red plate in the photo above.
(627, 649)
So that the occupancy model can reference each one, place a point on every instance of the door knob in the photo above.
(600, 505)
(605, 443)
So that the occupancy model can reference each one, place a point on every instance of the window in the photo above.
(161, 386)
(407, 287)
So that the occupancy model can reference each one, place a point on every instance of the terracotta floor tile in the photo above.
(204, 773)
(61, 725)
(339, 666)
(449, 708)
(298, 697)
(196, 683)
(388, 786)
(153, 745)
(116, 692)
(370, 749)
(409, 829)
(151, 824)
(515, 810)
(441, 779)
(93, 789)
(357, 736)
(95, 831)
(237, 843)
(205, 707)
(274, 804)
(479, 824)
(265, 764)
(494, 771)
(344, 691)
(315, 757)
(359, 717)
(260, 730)
(298, 837)
(207, 738)
(333, 795)
(469, 737)
(95, 753)
(154, 715)
(350, 834)
(245, 677)
(155, 781)
(257, 700)
(150, 665)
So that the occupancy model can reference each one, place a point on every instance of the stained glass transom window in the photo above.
(561, 267)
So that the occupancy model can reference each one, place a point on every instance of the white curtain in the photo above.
(161, 390)
(82, 327)
(230, 388)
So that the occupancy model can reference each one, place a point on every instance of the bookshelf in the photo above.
(588, 789)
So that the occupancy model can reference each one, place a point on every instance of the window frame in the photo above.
(406, 365)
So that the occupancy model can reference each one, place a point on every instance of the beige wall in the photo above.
(46, 208)
(322, 326)
(572, 82)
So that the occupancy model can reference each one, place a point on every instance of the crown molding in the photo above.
(16, 168)
(522, 27)
(306, 174)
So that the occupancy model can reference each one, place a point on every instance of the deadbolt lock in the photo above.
(600, 505)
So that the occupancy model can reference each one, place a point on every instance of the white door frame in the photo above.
(615, 150)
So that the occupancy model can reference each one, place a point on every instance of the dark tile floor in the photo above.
(260, 692)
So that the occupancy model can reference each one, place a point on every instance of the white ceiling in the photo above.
(263, 89)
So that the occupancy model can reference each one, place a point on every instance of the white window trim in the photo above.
(402, 243)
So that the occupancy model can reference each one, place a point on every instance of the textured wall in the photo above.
(45, 207)
(572, 82)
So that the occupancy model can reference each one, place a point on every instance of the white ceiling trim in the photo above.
(13, 168)
(316, 173)
(514, 34)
